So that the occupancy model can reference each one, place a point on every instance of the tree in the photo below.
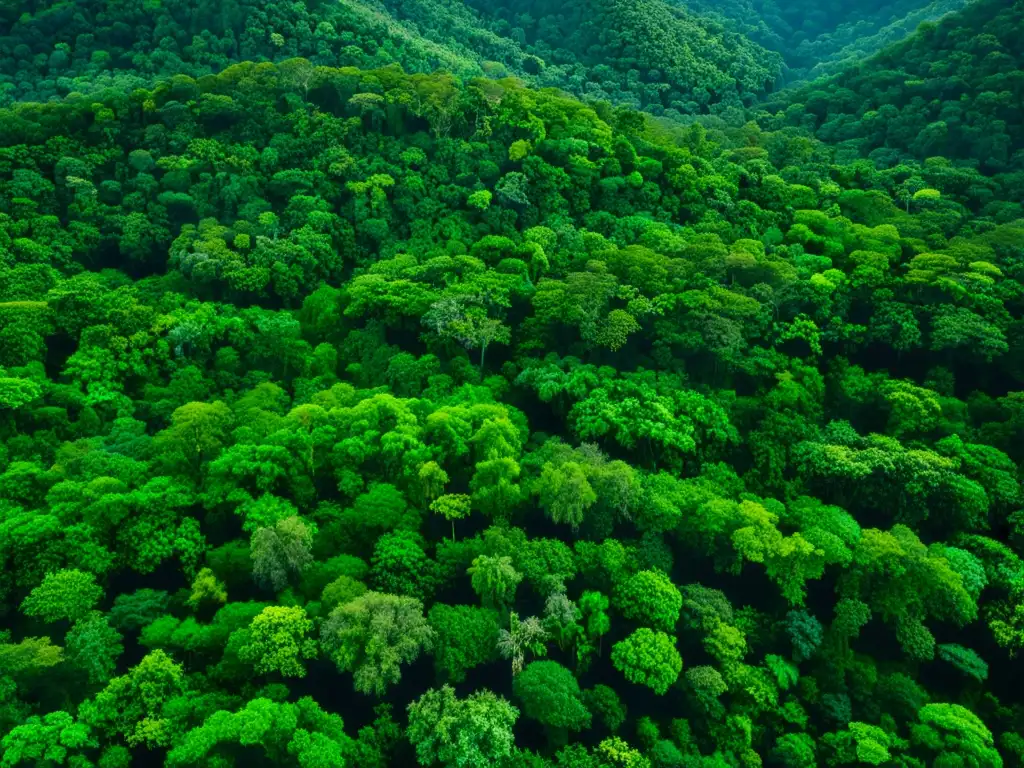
(400, 566)
(53, 739)
(452, 507)
(297, 73)
(593, 606)
(917, 583)
(960, 328)
(707, 685)
(494, 580)
(67, 594)
(550, 695)
(137, 705)
(605, 705)
(471, 732)
(277, 642)
(650, 597)
(616, 752)
(373, 635)
(280, 552)
(466, 637)
(15, 393)
(795, 750)
(858, 743)
(93, 645)
(207, 590)
(432, 478)
(295, 734)
(561, 617)
(791, 362)
(29, 656)
(658, 417)
(565, 493)
(463, 320)
(955, 733)
(494, 488)
(521, 636)
(805, 632)
(964, 659)
(513, 189)
(197, 432)
(649, 658)
(342, 590)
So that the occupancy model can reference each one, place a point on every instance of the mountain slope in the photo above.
(954, 89)
(669, 58)
(358, 418)
(818, 38)
(644, 53)
(315, 380)
(52, 49)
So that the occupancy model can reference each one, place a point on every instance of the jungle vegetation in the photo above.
(378, 391)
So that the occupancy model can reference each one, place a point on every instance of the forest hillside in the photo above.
(954, 89)
(658, 55)
(439, 384)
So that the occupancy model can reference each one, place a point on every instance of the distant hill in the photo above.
(642, 53)
(817, 38)
(49, 49)
(646, 52)
(955, 89)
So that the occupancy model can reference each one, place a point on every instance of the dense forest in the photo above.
(954, 90)
(817, 38)
(508, 384)
(665, 57)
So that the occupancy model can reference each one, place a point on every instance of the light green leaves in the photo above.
(474, 732)
(68, 594)
(648, 658)
(277, 642)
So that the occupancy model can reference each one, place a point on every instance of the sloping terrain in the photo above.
(658, 57)
(353, 417)
(818, 38)
(954, 89)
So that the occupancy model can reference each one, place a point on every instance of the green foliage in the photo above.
(650, 597)
(964, 659)
(911, 122)
(32, 654)
(279, 552)
(551, 695)
(277, 642)
(53, 739)
(452, 507)
(494, 579)
(299, 734)
(805, 632)
(400, 566)
(951, 732)
(522, 636)
(373, 635)
(475, 731)
(330, 306)
(206, 590)
(93, 645)
(707, 685)
(343, 589)
(794, 750)
(593, 606)
(605, 705)
(649, 658)
(138, 706)
(859, 743)
(467, 637)
(67, 594)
